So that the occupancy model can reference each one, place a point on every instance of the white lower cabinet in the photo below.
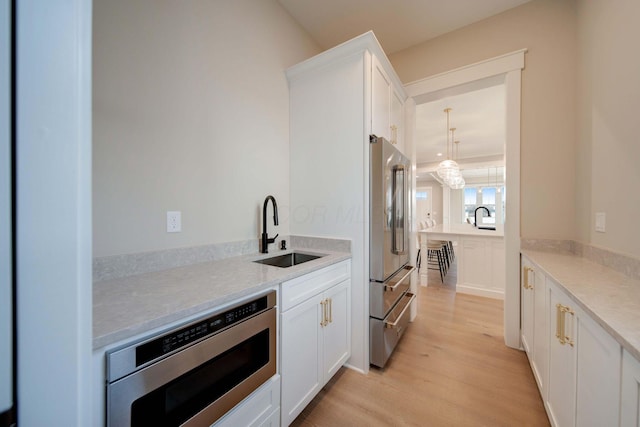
(577, 364)
(315, 334)
(630, 404)
(260, 409)
(584, 366)
(534, 329)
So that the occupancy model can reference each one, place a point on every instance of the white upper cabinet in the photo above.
(387, 106)
(380, 100)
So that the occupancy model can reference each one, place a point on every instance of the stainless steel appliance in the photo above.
(389, 272)
(192, 375)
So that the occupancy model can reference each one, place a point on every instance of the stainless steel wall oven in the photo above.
(193, 374)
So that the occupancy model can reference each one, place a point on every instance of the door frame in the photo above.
(507, 68)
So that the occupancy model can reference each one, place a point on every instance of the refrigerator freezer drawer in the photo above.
(385, 334)
(383, 296)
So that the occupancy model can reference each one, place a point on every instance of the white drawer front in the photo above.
(304, 287)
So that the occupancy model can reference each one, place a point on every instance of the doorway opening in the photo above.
(505, 70)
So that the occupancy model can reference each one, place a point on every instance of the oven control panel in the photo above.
(186, 335)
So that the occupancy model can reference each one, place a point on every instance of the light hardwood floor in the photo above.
(450, 369)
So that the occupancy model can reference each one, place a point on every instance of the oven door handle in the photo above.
(401, 315)
(393, 288)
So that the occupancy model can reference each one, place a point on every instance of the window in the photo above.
(491, 197)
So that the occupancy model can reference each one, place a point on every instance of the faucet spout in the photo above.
(264, 247)
(475, 214)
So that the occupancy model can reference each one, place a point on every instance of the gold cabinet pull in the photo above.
(561, 333)
(526, 283)
(559, 323)
(330, 310)
(323, 303)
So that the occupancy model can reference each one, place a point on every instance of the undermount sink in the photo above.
(288, 260)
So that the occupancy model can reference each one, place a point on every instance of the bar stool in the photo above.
(436, 257)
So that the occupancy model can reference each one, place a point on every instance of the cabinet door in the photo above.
(526, 307)
(301, 366)
(561, 396)
(540, 361)
(380, 100)
(630, 406)
(396, 119)
(337, 333)
(598, 374)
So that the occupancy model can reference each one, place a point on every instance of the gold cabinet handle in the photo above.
(559, 318)
(561, 333)
(323, 323)
(394, 134)
(526, 283)
(330, 310)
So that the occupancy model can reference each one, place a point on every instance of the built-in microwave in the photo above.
(193, 374)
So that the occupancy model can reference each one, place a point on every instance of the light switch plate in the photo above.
(174, 221)
(601, 222)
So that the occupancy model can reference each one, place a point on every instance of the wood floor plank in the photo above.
(451, 368)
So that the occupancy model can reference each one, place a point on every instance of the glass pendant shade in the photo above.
(457, 183)
(447, 168)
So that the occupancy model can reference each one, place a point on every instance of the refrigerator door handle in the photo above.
(398, 210)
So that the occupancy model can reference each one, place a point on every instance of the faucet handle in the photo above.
(273, 239)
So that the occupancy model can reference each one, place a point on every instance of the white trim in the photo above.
(366, 41)
(6, 273)
(509, 66)
(481, 292)
(53, 231)
(469, 73)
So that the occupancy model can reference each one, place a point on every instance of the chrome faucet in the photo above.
(264, 247)
(475, 214)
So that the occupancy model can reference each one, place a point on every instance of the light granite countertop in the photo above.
(130, 306)
(464, 230)
(611, 298)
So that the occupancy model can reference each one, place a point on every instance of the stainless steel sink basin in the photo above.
(288, 260)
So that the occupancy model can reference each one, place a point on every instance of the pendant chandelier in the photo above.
(448, 170)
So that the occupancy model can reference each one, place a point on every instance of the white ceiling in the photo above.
(397, 24)
(479, 119)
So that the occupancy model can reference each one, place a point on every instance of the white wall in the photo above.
(547, 28)
(191, 113)
(53, 228)
(608, 147)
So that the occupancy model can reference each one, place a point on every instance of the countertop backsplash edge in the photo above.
(623, 264)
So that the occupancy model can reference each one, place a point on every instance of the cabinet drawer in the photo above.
(257, 409)
(304, 287)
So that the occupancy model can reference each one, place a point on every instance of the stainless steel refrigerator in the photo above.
(389, 269)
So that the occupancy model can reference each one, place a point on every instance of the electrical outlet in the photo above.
(601, 222)
(174, 222)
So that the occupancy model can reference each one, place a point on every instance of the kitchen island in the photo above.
(479, 254)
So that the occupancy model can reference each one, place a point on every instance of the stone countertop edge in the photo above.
(463, 230)
(132, 306)
(611, 298)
